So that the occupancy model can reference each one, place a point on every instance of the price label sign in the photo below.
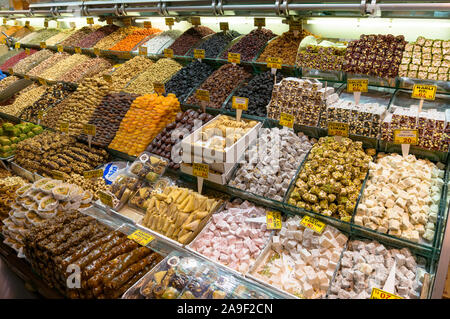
(89, 129)
(142, 238)
(97, 51)
(274, 63)
(17, 45)
(273, 220)
(202, 95)
(26, 76)
(10, 71)
(240, 103)
(96, 173)
(199, 54)
(381, 294)
(224, 26)
(40, 115)
(64, 127)
(357, 85)
(159, 88)
(43, 45)
(46, 24)
(105, 198)
(143, 51)
(338, 129)
(107, 78)
(259, 22)
(90, 20)
(287, 120)
(295, 25)
(195, 21)
(60, 48)
(42, 81)
(5, 21)
(234, 57)
(58, 175)
(406, 136)
(27, 23)
(312, 223)
(148, 24)
(168, 53)
(109, 20)
(170, 21)
(200, 170)
(424, 91)
(27, 51)
(78, 50)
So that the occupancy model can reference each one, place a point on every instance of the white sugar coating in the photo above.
(272, 162)
(402, 197)
(230, 240)
(301, 261)
(161, 41)
(366, 265)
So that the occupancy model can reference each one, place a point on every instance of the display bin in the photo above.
(423, 265)
(201, 273)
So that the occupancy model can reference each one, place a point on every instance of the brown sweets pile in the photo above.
(220, 84)
(376, 55)
(109, 262)
(55, 151)
(284, 47)
(108, 115)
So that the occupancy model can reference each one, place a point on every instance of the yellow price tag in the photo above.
(381, 294)
(107, 78)
(357, 85)
(60, 48)
(11, 71)
(27, 23)
(127, 22)
(199, 53)
(90, 20)
(200, 170)
(287, 120)
(274, 63)
(224, 26)
(338, 129)
(143, 51)
(239, 103)
(46, 24)
(58, 175)
(5, 20)
(26, 76)
(168, 53)
(78, 50)
(195, 21)
(109, 20)
(202, 95)
(95, 173)
(148, 24)
(43, 45)
(159, 88)
(424, 91)
(89, 129)
(313, 224)
(64, 127)
(105, 198)
(40, 115)
(259, 22)
(406, 136)
(273, 220)
(295, 25)
(27, 51)
(234, 57)
(97, 51)
(170, 21)
(142, 238)
(17, 45)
